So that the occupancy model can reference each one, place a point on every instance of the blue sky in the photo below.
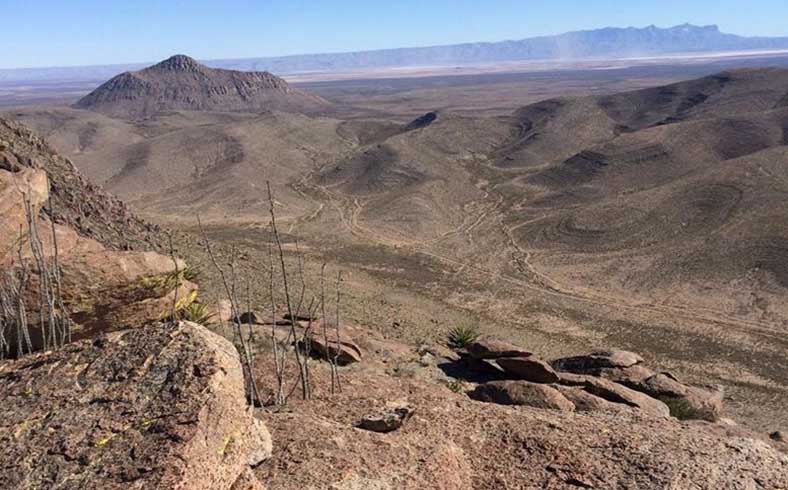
(80, 32)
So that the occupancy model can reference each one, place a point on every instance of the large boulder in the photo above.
(522, 393)
(528, 369)
(685, 401)
(343, 349)
(160, 407)
(494, 348)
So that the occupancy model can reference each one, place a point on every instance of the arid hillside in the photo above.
(651, 219)
(586, 293)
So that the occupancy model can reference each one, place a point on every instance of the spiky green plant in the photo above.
(462, 335)
(197, 313)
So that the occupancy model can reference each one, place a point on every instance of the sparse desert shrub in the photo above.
(462, 335)
(197, 313)
(682, 409)
(456, 385)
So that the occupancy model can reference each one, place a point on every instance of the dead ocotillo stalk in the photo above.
(331, 360)
(305, 391)
(336, 352)
(53, 317)
(279, 356)
(246, 354)
(174, 313)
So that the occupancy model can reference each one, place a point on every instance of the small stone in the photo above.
(262, 445)
(386, 420)
(249, 317)
(778, 436)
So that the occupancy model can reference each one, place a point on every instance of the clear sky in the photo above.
(80, 32)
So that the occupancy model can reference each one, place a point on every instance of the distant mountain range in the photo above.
(611, 42)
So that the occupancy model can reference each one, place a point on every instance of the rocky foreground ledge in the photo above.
(161, 407)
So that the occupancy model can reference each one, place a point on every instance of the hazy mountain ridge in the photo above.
(609, 41)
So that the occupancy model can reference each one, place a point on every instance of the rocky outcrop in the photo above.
(604, 381)
(453, 442)
(623, 372)
(161, 407)
(101, 287)
(181, 83)
(76, 203)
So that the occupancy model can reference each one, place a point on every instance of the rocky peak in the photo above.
(178, 62)
(182, 83)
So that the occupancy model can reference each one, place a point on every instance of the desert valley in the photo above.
(566, 274)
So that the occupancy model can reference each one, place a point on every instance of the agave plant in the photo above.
(462, 335)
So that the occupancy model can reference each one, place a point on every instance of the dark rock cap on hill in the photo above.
(182, 83)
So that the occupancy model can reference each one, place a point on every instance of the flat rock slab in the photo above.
(494, 348)
(616, 393)
(588, 363)
(158, 407)
(528, 369)
(586, 402)
(522, 393)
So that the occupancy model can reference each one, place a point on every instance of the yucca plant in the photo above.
(462, 335)
(197, 313)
